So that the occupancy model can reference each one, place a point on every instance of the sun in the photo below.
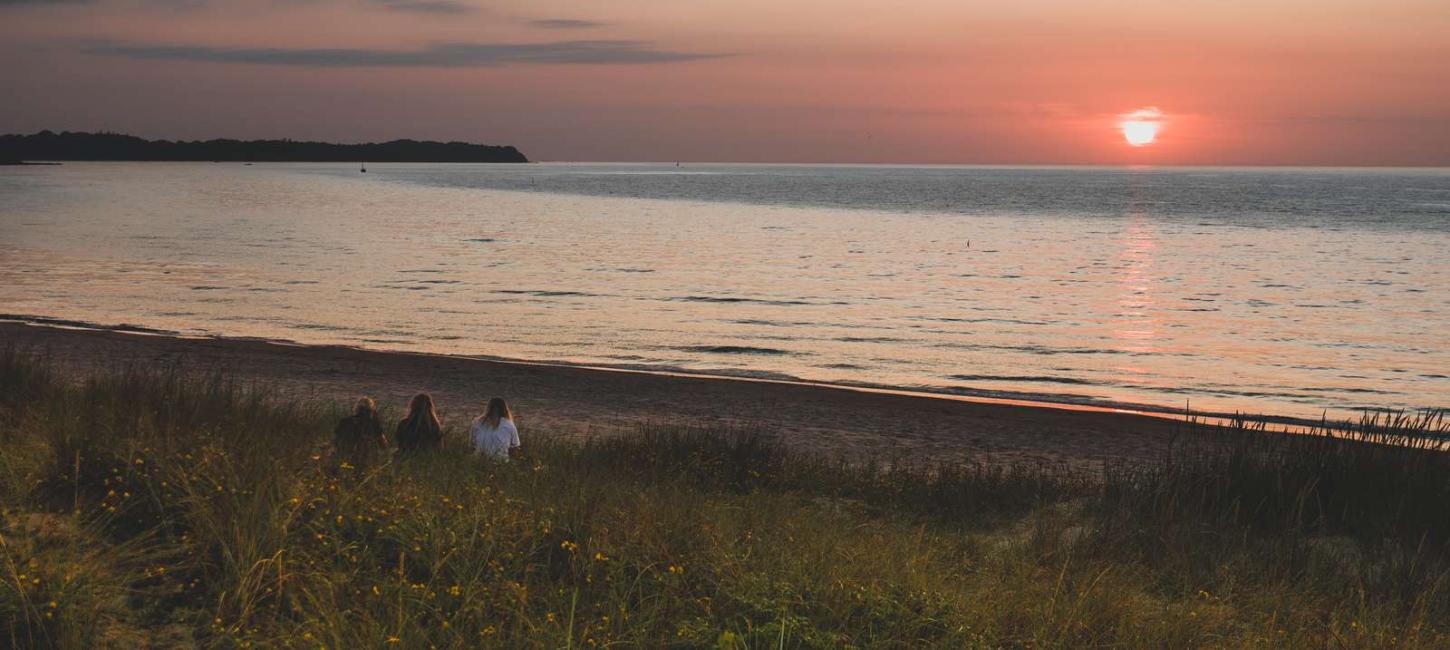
(1140, 127)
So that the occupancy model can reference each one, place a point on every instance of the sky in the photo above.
(1241, 82)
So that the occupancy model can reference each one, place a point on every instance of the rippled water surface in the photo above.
(1271, 291)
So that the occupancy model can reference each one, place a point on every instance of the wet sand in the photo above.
(586, 401)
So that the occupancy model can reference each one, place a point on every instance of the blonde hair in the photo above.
(497, 410)
(364, 406)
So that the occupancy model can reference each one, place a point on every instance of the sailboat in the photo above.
(364, 168)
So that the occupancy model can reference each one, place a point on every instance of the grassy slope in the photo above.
(148, 507)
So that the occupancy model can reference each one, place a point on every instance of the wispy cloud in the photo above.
(425, 6)
(441, 55)
(40, 3)
(565, 23)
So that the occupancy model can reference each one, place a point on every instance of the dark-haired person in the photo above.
(493, 433)
(358, 437)
(419, 429)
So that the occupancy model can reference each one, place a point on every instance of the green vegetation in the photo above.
(153, 507)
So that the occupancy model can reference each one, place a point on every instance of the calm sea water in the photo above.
(1286, 292)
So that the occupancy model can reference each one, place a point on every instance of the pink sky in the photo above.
(1329, 82)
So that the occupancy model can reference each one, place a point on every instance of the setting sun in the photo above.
(1140, 127)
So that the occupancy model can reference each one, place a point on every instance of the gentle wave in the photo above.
(731, 300)
(732, 349)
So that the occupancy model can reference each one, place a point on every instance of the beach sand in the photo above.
(586, 401)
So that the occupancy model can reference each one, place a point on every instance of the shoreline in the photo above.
(1281, 422)
(576, 400)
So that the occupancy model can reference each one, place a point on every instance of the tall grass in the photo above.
(150, 506)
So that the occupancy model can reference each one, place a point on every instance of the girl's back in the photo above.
(494, 433)
(418, 433)
(420, 428)
(359, 435)
(494, 440)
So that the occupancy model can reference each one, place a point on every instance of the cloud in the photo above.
(40, 3)
(441, 55)
(1147, 113)
(565, 23)
(423, 6)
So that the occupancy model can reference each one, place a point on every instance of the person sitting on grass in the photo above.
(420, 429)
(494, 433)
(359, 436)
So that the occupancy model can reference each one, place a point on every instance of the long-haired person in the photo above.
(420, 428)
(494, 433)
(358, 437)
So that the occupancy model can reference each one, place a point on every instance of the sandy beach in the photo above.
(586, 401)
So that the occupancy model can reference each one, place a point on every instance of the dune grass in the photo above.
(153, 507)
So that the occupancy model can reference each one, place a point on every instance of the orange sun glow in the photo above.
(1140, 127)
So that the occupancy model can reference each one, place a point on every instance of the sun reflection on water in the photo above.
(1136, 329)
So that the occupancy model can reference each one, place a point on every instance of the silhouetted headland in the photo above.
(48, 145)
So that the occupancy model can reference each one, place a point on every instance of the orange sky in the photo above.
(1331, 82)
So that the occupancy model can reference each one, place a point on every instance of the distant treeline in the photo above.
(48, 145)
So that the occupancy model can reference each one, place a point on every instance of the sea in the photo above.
(1299, 293)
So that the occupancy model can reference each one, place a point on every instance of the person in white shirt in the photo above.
(494, 433)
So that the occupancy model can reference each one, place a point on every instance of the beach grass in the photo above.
(163, 507)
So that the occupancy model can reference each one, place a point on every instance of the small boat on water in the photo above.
(364, 168)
